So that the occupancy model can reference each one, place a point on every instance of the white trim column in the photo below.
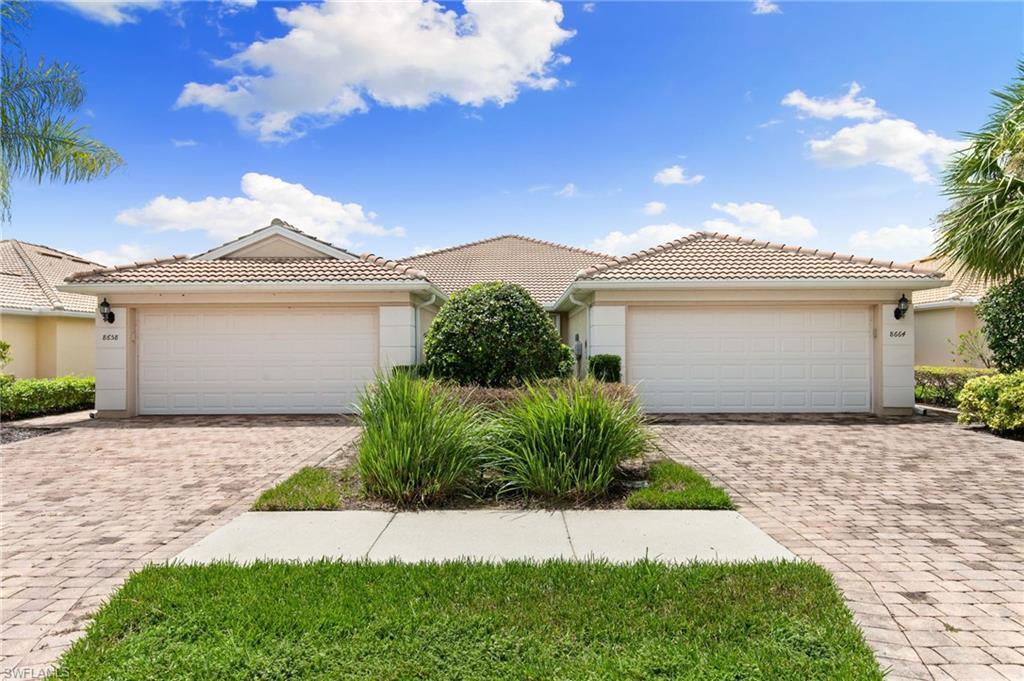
(397, 336)
(608, 332)
(897, 359)
(112, 361)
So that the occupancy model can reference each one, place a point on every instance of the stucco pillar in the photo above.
(397, 336)
(608, 332)
(897, 359)
(112, 345)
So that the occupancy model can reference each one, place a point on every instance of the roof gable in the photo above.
(543, 268)
(278, 239)
(963, 290)
(711, 255)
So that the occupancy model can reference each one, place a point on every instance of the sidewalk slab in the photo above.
(479, 535)
(291, 535)
(670, 536)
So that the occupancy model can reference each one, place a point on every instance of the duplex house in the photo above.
(278, 321)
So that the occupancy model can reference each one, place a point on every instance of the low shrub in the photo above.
(996, 401)
(564, 444)
(606, 368)
(940, 385)
(420, 444)
(566, 362)
(40, 396)
(497, 399)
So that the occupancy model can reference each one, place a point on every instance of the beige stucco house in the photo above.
(943, 314)
(51, 332)
(278, 321)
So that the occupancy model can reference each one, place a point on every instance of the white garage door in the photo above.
(738, 359)
(254, 361)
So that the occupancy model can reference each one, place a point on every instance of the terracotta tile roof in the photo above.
(543, 268)
(710, 255)
(29, 274)
(963, 286)
(184, 270)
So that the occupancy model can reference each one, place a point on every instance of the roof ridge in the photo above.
(51, 295)
(394, 266)
(785, 248)
(531, 239)
(72, 256)
(120, 268)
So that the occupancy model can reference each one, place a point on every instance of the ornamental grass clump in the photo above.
(565, 444)
(420, 445)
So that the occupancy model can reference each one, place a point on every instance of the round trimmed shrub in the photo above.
(1002, 312)
(996, 400)
(492, 334)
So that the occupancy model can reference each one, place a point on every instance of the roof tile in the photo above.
(29, 274)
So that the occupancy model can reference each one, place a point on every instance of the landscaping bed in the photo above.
(645, 484)
(331, 620)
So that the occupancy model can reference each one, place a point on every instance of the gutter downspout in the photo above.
(586, 346)
(417, 342)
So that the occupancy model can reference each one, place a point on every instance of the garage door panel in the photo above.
(746, 359)
(270, 360)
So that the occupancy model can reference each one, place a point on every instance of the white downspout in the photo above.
(417, 336)
(586, 346)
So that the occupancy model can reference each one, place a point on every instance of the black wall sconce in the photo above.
(901, 307)
(105, 313)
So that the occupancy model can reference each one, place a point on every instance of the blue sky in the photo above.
(395, 128)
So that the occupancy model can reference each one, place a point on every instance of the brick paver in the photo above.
(83, 507)
(921, 522)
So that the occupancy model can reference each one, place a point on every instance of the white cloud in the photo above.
(676, 175)
(114, 13)
(901, 242)
(589, 7)
(184, 143)
(846, 106)
(769, 123)
(760, 220)
(263, 198)
(339, 56)
(122, 255)
(621, 243)
(568, 191)
(654, 208)
(894, 143)
(765, 7)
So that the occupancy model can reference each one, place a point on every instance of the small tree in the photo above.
(5, 354)
(1002, 313)
(970, 348)
(492, 334)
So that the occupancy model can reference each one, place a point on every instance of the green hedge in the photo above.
(39, 396)
(940, 385)
(606, 368)
(996, 400)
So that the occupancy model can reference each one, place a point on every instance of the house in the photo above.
(278, 321)
(943, 314)
(51, 332)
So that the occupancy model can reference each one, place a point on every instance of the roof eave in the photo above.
(98, 288)
(46, 312)
(948, 303)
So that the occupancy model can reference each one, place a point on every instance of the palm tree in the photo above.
(38, 140)
(983, 230)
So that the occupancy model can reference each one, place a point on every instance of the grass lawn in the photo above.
(673, 485)
(556, 620)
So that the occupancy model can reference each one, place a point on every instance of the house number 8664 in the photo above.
(897, 334)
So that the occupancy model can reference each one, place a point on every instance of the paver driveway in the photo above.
(920, 521)
(83, 507)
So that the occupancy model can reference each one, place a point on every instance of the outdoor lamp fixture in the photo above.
(901, 307)
(105, 312)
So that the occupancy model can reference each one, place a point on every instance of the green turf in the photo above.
(309, 489)
(557, 620)
(675, 486)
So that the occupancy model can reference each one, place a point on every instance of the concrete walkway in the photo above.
(618, 536)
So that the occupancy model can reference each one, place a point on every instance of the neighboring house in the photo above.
(943, 314)
(51, 332)
(278, 321)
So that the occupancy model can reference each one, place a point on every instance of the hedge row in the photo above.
(940, 385)
(39, 396)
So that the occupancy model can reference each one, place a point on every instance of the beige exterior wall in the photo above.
(936, 328)
(577, 325)
(116, 344)
(49, 346)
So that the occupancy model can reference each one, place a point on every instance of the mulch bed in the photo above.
(11, 434)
